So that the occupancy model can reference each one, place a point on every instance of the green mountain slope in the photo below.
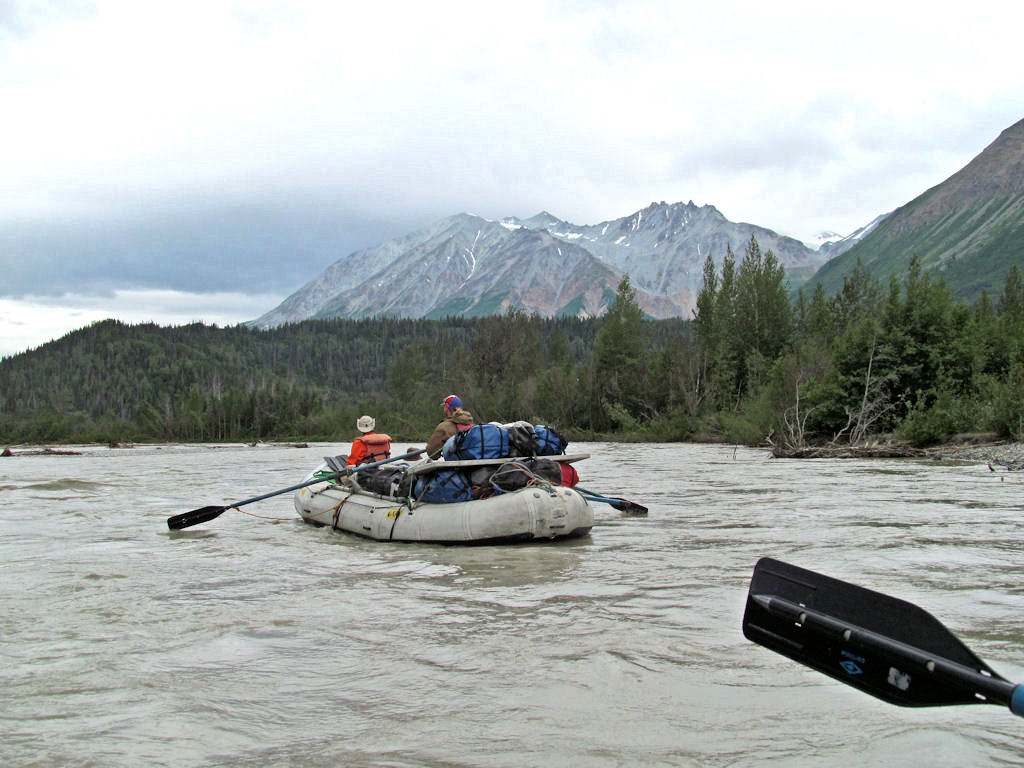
(968, 229)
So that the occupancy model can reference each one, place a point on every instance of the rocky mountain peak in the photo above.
(465, 265)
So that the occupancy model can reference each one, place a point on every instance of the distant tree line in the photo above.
(752, 365)
(114, 382)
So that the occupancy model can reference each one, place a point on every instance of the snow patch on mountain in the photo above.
(832, 248)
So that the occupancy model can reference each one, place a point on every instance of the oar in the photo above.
(878, 644)
(204, 514)
(623, 505)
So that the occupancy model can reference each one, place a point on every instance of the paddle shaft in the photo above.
(348, 471)
(204, 514)
(992, 689)
(597, 496)
(261, 497)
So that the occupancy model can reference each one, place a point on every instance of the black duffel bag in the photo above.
(513, 475)
(386, 480)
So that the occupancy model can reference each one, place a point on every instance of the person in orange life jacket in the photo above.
(455, 420)
(370, 445)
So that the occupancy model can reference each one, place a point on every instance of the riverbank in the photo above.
(978, 448)
(1004, 454)
(78, 449)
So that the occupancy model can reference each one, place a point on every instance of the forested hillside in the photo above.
(902, 356)
(116, 382)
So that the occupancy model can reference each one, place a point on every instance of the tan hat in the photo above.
(365, 424)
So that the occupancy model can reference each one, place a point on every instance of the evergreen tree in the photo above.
(1009, 331)
(726, 355)
(763, 310)
(620, 364)
(821, 319)
(924, 334)
(1011, 301)
(859, 297)
(706, 330)
(704, 326)
(505, 359)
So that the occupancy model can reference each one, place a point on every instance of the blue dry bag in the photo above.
(443, 487)
(549, 442)
(481, 441)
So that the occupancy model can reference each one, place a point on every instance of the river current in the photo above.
(256, 640)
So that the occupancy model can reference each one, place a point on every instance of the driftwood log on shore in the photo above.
(41, 452)
(982, 448)
(849, 452)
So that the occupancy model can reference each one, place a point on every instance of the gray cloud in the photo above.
(266, 248)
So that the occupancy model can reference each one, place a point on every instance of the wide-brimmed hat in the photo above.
(365, 424)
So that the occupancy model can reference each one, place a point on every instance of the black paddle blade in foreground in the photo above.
(878, 644)
(195, 517)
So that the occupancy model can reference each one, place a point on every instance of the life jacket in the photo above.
(378, 447)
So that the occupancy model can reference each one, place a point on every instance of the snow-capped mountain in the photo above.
(837, 245)
(820, 239)
(465, 265)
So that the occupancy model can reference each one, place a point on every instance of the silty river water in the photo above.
(250, 641)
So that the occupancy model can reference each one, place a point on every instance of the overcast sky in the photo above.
(200, 160)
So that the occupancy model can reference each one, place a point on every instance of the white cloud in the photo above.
(411, 102)
(799, 117)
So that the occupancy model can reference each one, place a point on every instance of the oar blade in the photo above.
(882, 671)
(616, 502)
(195, 517)
(627, 506)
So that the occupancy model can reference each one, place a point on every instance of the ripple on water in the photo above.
(250, 642)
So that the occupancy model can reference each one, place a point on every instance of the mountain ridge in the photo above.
(466, 265)
(968, 229)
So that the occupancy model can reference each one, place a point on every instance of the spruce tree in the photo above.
(620, 364)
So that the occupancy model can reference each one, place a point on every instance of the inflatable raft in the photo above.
(538, 511)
